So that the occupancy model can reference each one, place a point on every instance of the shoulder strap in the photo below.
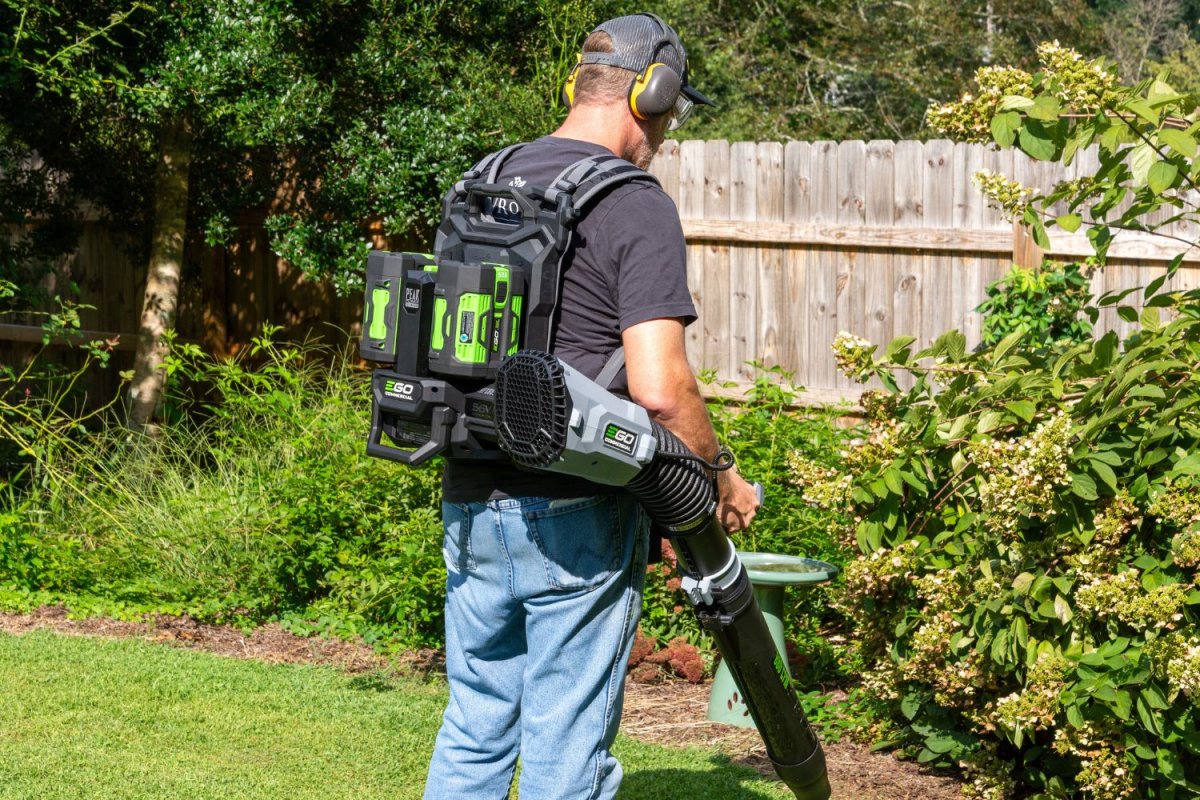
(612, 367)
(491, 163)
(587, 178)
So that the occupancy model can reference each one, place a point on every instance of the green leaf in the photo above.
(1141, 160)
(926, 755)
(1075, 716)
(1062, 609)
(897, 345)
(1189, 465)
(1025, 409)
(1154, 697)
(1105, 473)
(1045, 107)
(1161, 176)
(941, 743)
(1124, 704)
(1179, 141)
(1143, 110)
(910, 705)
(1069, 222)
(1150, 319)
(1020, 631)
(1004, 128)
(1170, 766)
(1035, 140)
(989, 421)
(1128, 313)
(1015, 102)
(1083, 486)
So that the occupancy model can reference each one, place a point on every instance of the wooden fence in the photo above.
(790, 244)
(787, 244)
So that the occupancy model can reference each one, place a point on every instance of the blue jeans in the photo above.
(542, 600)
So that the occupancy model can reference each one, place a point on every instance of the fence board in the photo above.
(691, 206)
(801, 317)
(822, 274)
(716, 321)
(742, 336)
(938, 189)
(878, 288)
(771, 284)
(908, 211)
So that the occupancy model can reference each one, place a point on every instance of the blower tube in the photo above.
(547, 416)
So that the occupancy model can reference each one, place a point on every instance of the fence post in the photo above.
(1026, 253)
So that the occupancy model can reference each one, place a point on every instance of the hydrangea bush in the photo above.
(1028, 522)
(1028, 515)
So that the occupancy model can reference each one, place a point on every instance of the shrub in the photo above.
(257, 502)
(1027, 523)
(1047, 301)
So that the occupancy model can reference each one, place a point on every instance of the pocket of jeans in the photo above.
(580, 541)
(456, 537)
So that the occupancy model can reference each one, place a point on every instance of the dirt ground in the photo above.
(670, 713)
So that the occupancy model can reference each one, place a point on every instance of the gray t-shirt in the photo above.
(628, 265)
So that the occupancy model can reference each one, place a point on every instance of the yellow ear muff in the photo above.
(569, 86)
(653, 93)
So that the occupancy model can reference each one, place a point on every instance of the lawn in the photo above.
(127, 719)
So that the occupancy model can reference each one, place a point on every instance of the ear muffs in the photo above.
(654, 91)
(568, 92)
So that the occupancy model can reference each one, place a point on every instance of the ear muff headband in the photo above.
(654, 91)
(569, 86)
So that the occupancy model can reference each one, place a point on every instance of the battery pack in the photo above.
(383, 300)
(476, 318)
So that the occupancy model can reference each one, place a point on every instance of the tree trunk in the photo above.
(162, 279)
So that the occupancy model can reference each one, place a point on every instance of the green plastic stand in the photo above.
(770, 574)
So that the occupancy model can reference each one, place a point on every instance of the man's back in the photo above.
(627, 265)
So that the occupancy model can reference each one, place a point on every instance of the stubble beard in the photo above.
(643, 151)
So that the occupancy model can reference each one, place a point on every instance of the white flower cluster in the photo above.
(1036, 706)
(1005, 194)
(1081, 84)
(1105, 772)
(1176, 659)
(991, 777)
(1183, 671)
(854, 356)
(820, 486)
(1022, 476)
(1121, 597)
(1185, 548)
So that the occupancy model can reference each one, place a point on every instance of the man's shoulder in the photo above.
(641, 201)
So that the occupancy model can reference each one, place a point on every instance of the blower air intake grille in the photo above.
(533, 408)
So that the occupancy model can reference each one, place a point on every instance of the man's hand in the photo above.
(661, 381)
(737, 500)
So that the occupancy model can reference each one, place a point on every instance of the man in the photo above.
(545, 572)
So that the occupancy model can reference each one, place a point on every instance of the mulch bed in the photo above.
(671, 713)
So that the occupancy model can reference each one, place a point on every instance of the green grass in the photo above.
(126, 719)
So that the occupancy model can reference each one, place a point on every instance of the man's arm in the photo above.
(661, 381)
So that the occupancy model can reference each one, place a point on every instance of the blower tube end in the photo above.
(799, 777)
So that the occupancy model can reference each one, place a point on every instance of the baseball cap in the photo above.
(639, 40)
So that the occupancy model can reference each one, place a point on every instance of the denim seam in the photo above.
(498, 531)
(465, 553)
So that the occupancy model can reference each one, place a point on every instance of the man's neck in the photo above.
(606, 126)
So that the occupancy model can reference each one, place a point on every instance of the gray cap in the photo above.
(640, 40)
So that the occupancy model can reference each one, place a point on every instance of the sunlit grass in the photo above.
(92, 718)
